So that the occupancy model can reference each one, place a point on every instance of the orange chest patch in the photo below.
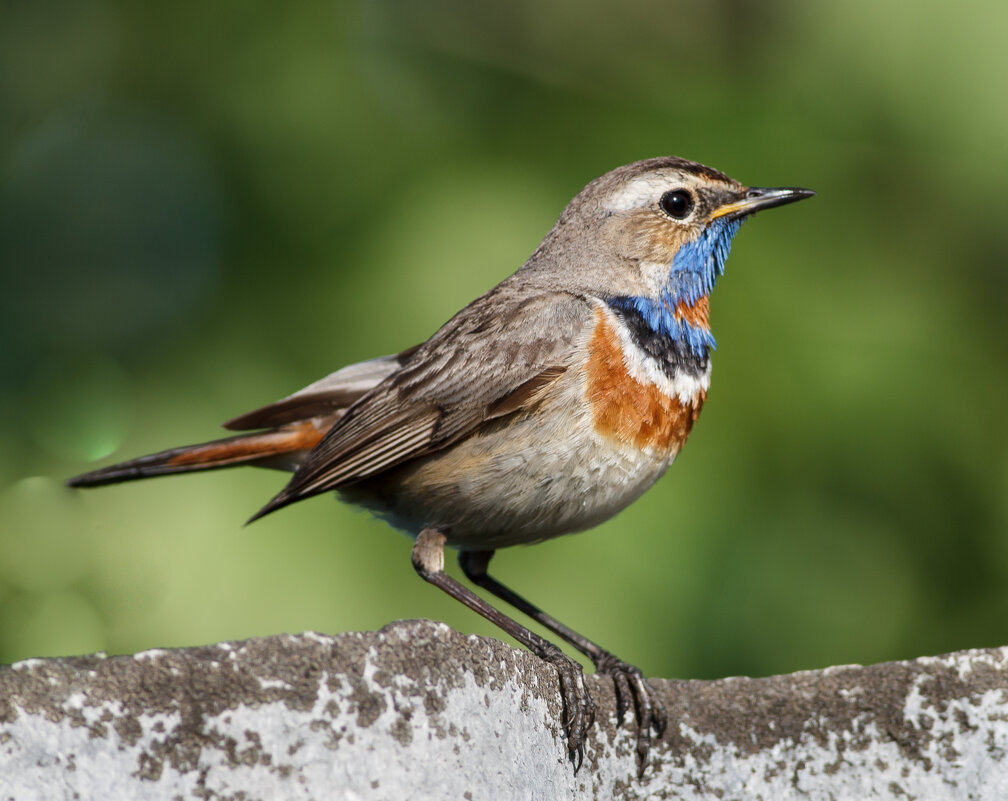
(626, 409)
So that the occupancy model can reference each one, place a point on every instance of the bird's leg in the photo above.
(579, 710)
(631, 686)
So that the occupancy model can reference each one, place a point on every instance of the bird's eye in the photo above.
(677, 204)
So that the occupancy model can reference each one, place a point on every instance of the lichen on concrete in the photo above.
(418, 710)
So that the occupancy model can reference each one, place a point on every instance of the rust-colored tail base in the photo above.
(279, 448)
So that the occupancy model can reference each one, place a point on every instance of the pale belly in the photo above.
(521, 482)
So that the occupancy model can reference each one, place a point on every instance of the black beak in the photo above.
(758, 198)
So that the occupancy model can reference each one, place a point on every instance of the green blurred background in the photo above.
(205, 206)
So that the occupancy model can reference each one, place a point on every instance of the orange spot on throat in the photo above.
(627, 410)
(697, 315)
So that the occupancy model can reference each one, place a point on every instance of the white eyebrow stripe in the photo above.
(640, 192)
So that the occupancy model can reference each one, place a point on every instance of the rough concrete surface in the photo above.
(418, 711)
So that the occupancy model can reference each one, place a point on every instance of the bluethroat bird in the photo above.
(542, 408)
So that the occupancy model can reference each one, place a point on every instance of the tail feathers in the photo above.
(278, 448)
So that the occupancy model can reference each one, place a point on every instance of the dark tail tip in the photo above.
(114, 474)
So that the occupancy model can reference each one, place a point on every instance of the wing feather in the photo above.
(327, 396)
(384, 450)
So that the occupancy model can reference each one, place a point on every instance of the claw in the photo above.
(632, 688)
(624, 696)
(577, 758)
(660, 717)
(579, 709)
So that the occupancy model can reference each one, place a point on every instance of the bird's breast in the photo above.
(636, 399)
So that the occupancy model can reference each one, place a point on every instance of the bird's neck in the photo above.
(672, 323)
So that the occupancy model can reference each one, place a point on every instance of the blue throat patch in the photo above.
(692, 275)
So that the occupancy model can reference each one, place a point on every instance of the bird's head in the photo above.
(655, 234)
(674, 220)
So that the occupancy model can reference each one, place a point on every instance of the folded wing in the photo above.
(500, 355)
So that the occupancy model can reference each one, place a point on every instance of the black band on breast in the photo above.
(673, 354)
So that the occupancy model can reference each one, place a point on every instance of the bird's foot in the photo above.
(578, 707)
(633, 691)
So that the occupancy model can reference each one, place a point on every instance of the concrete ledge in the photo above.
(417, 710)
